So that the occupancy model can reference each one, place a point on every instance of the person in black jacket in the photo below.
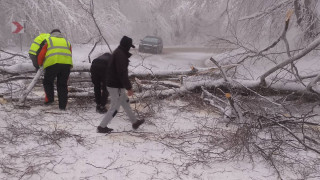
(117, 83)
(98, 72)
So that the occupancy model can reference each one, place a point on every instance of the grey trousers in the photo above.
(118, 98)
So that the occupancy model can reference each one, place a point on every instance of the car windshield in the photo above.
(151, 40)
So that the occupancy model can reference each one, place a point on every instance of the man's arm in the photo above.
(42, 55)
(41, 46)
(122, 71)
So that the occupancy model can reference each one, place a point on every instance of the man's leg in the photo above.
(104, 93)
(97, 88)
(62, 85)
(48, 82)
(114, 106)
(126, 106)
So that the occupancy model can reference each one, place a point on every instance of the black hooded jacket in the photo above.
(117, 74)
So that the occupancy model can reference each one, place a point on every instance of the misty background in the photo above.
(178, 22)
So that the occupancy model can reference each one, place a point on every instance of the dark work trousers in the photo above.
(98, 77)
(62, 72)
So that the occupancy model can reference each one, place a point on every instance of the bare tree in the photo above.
(261, 118)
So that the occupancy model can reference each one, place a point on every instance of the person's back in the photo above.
(58, 51)
(102, 61)
(117, 76)
(98, 70)
(56, 59)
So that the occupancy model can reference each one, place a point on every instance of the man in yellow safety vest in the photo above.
(35, 48)
(56, 59)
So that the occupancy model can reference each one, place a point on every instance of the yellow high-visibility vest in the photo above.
(36, 43)
(58, 52)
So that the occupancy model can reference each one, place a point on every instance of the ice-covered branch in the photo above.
(301, 54)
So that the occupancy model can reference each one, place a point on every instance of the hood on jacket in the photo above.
(56, 33)
(126, 43)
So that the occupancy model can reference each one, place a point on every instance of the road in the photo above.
(174, 58)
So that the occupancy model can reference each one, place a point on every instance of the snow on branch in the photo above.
(266, 12)
(12, 55)
(304, 52)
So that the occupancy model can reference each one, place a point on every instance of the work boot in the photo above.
(104, 130)
(48, 103)
(137, 124)
(101, 109)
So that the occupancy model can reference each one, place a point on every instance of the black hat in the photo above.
(126, 42)
(55, 30)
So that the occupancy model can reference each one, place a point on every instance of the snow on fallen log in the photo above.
(209, 83)
(30, 87)
(23, 68)
(190, 84)
(191, 71)
(81, 67)
(143, 73)
(41, 98)
(187, 86)
(20, 68)
(141, 83)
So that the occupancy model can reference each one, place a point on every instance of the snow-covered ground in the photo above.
(124, 154)
(44, 143)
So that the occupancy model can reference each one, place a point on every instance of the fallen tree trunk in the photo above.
(24, 68)
(30, 87)
(165, 87)
(168, 89)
